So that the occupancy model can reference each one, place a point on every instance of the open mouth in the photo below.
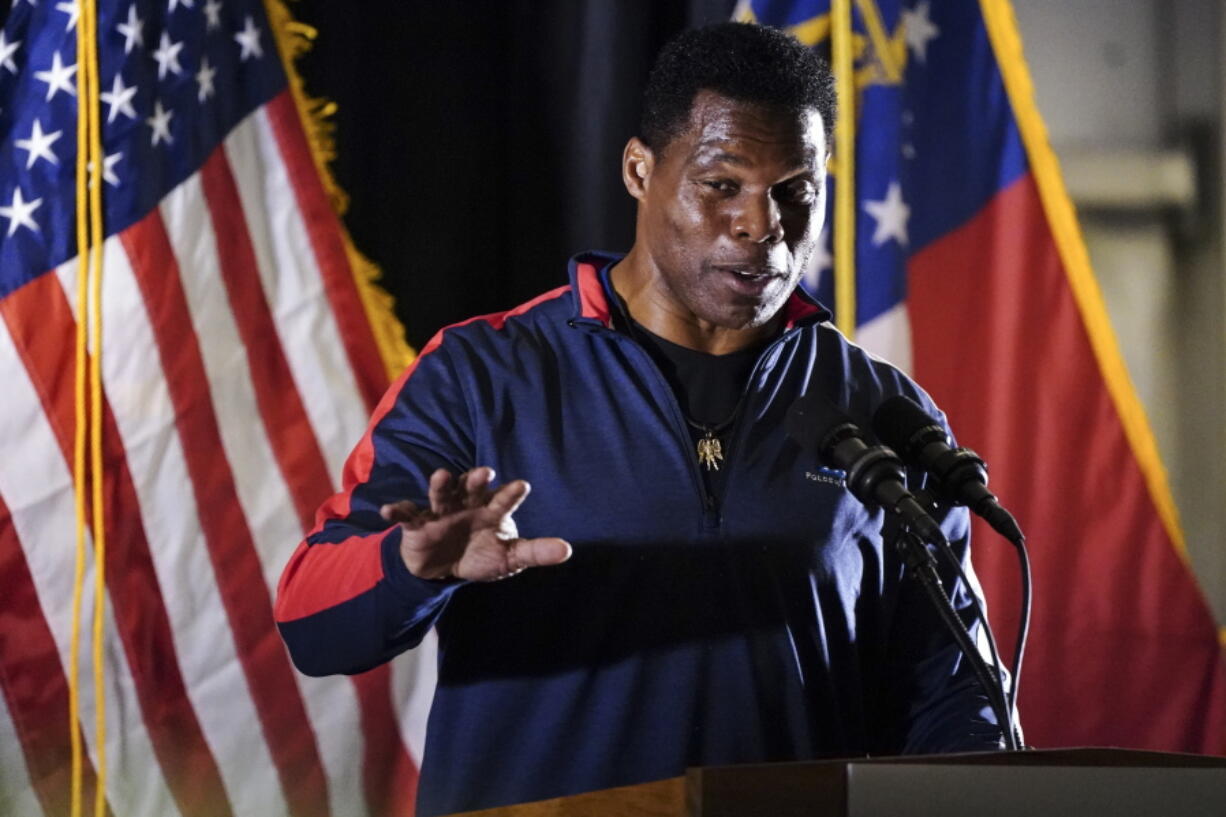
(749, 272)
(749, 275)
(749, 281)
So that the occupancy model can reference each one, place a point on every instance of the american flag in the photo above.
(970, 273)
(240, 359)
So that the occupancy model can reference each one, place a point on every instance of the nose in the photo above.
(758, 220)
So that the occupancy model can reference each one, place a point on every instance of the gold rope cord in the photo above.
(845, 169)
(87, 409)
(97, 477)
(80, 420)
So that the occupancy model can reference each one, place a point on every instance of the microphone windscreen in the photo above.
(899, 420)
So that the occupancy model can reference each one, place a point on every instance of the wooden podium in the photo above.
(1053, 783)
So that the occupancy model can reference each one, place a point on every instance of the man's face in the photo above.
(730, 210)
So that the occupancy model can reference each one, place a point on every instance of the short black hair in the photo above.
(743, 61)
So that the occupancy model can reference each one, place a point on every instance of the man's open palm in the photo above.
(468, 532)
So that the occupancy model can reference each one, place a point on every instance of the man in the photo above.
(686, 586)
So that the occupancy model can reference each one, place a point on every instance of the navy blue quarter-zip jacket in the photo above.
(768, 624)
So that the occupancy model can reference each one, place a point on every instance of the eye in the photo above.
(798, 192)
(721, 185)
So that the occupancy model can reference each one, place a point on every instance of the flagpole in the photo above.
(844, 170)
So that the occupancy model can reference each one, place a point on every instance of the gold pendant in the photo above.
(710, 452)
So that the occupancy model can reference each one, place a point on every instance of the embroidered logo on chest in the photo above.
(827, 475)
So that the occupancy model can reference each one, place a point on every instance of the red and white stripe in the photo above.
(234, 388)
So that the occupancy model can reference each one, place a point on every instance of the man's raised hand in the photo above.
(468, 532)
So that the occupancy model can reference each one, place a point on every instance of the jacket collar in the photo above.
(593, 295)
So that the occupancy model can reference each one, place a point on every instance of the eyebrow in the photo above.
(712, 154)
(709, 152)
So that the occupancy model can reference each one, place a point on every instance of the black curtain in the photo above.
(480, 142)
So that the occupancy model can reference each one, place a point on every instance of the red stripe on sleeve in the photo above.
(42, 325)
(237, 569)
(324, 229)
(337, 573)
(33, 681)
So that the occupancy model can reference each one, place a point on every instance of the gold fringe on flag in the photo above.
(293, 40)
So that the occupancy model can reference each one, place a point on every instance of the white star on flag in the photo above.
(58, 77)
(133, 31)
(39, 145)
(891, 214)
(167, 56)
(212, 14)
(205, 79)
(249, 39)
(160, 122)
(19, 212)
(920, 30)
(120, 99)
(73, 10)
(108, 170)
(7, 50)
(173, 3)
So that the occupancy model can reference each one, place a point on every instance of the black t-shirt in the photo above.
(708, 388)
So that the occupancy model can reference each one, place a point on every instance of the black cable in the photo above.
(1023, 626)
(923, 568)
(1019, 645)
(948, 554)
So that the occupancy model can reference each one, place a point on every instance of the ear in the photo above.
(637, 163)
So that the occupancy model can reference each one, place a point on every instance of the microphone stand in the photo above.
(921, 565)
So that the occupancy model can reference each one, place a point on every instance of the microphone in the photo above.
(961, 473)
(874, 473)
